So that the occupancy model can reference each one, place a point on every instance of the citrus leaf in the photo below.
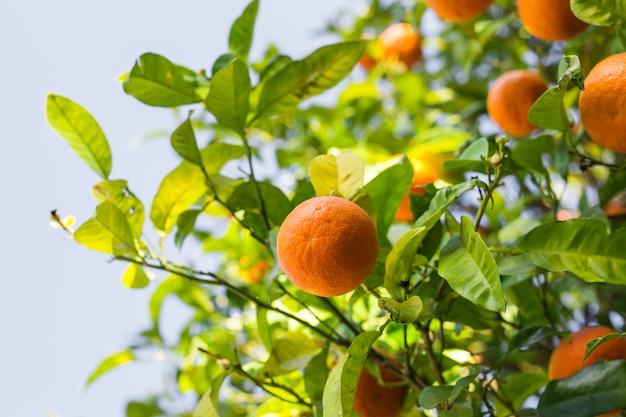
(596, 389)
(244, 198)
(185, 224)
(340, 389)
(80, 130)
(135, 277)
(315, 376)
(469, 268)
(156, 81)
(217, 154)
(399, 262)
(445, 395)
(117, 192)
(241, 32)
(595, 342)
(528, 152)
(229, 95)
(342, 173)
(600, 12)
(444, 198)
(548, 111)
(183, 141)
(207, 406)
(289, 353)
(181, 188)
(299, 80)
(471, 158)
(580, 246)
(109, 363)
(387, 190)
(108, 231)
(528, 336)
(571, 69)
(403, 313)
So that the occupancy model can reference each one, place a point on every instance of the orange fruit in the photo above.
(568, 355)
(602, 101)
(327, 246)
(400, 43)
(374, 400)
(458, 10)
(510, 98)
(549, 20)
(423, 173)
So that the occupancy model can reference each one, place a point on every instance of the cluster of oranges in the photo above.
(328, 246)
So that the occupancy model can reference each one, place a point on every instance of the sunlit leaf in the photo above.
(229, 95)
(109, 363)
(207, 406)
(183, 141)
(80, 130)
(469, 268)
(581, 246)
(399, 262)
(185, 224)
(528, 336)
(156, 81)
(290, 352)
(471, 158)
(299, 80)
(340, 388)
(217, 154)
(404, 312)
(315, 376)
(596, 389)
(342, 173)
(600, 12)
(240, 37)
(245, 199)
(181, 188)
(445, 395)
(135, 277)
(117, 192)
(108, 231)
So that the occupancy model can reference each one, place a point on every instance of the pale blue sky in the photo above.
(62, 307)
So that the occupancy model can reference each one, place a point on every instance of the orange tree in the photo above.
(508, 252)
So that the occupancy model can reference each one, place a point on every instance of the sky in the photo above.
(62, 307)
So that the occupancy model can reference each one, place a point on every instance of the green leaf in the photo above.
(595, 342)
(600, 12)
(217, 154)
(403, 313)
(109, 363)
(229, 95)
(244, 198)
(445, 395)
(548, 112)
(299, 80)
(469, 268)
(340, 388)
(528, 152)
(387, 190)
(444, 198)
(289, 353)
(315, 376)
(137, 409)
(342, 173)
(207, 406)
(181, 188)
(156, 81)
(528, 336)
(571, 69)
(399, 262)
(117, 192)
(185, 224)
(108, 231)
(471, 158)
(580, 246)
(598, 388)
(135, 277)
(80, 130)
(183, 141)
(241, 32)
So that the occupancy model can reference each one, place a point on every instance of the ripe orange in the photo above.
(602, 101)
(458, 10)
(400, 43)
(567, 357)
(423, 173)
(373, 400)
(549, 20)
(327, 246)
(510, 98)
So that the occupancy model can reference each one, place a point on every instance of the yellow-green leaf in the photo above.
(342, 173)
